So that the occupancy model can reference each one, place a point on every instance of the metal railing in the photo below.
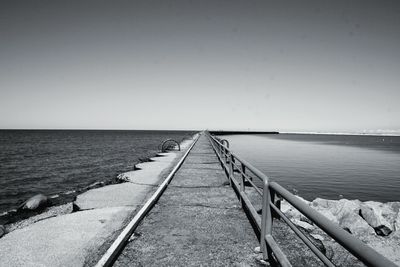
(270, 207)
(167, 144)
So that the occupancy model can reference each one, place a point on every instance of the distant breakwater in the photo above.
(241, 132)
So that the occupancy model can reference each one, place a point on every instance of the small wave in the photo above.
(3, 213)
(96, 184)
(70, 192)
(8, 212)
(54, 196)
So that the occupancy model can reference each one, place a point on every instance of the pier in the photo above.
(197, 221)
(217, 209)
(200, 206)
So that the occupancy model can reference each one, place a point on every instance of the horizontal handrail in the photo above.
(360, 250)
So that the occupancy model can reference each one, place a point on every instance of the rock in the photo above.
(335, 209)
(257, 250)
(259, 259)
(345, 206)
(318, 242)
(380, 216)
(303, 225)
(75, 207)
(2, 230)
(343, 212)
(326, 208)
(318, 237)
(324, 203)
(355, 224)
(122, 178)
(369, 216)
(36, 202)
(290, 211)
(382, 230)
(373, 223)
(397, 222)
(305, 219)
(388, 246)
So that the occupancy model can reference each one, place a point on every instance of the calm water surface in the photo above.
(60, 163)
(327, 166)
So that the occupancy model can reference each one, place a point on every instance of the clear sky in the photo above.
(330, 66)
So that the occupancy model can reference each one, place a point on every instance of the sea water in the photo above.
(327, 166)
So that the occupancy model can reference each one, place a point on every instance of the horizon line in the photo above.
(389, 133)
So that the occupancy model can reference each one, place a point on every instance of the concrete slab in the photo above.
(202, 166)
(203, 160)
(133, 192)
(149, 172)
(216, 197)
(125, 194)
(61, 241)
(192, 236)
(199, 177)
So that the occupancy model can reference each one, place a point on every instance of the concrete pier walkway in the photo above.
(198, 221)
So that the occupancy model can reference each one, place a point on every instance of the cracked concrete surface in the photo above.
(198, 221)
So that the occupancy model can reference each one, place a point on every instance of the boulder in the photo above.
(374, 223)
(355, 224)
(2, 230)
(36, 202)
(323, 203)
(369, 216)
(304, 225)
(291, 212)
(344, 206)
(325, 207)
(382, 230)
(380, 216)
(122, 178)
(397, 222)
(336, 208)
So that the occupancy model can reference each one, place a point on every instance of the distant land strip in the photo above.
(242, 132)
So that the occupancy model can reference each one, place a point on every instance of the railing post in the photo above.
(273, 199)
(242, 187)
(230, 162)
(266, 220)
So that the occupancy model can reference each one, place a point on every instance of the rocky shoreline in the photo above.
(376, 224)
